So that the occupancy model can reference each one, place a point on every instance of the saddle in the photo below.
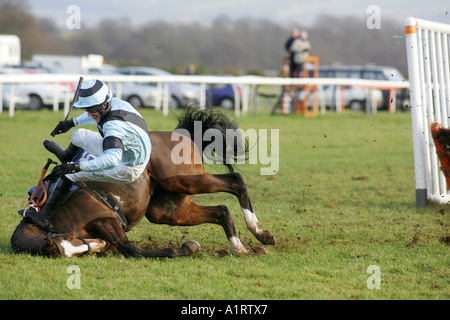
(37, 198)
(107, 198)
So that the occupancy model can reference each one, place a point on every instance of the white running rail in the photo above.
(162, 81)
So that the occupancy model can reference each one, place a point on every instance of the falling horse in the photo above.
(163, 194)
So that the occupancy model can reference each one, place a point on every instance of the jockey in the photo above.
(121, 147)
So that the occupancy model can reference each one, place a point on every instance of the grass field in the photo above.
(343, 200)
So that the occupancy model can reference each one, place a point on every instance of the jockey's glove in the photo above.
(66, 168)
(63, 127)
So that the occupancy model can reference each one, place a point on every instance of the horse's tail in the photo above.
(231, 146)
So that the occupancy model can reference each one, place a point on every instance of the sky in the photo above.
(284, 12)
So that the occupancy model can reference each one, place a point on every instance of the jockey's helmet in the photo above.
(93, 93)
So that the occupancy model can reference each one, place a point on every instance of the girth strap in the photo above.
(108, 200)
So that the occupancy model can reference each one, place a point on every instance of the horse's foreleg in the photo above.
(231, 183)
(236, 185)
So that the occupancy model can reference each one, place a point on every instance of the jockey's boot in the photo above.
(63, 155)
(42, 219)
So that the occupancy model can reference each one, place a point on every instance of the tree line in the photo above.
(238, 46)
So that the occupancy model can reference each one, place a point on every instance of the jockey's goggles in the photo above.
(94, 109)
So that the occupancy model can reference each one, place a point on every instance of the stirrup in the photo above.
(23, 212)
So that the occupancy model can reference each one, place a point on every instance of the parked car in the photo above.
(223, 95)
(372, 73)
(137, 94)
(34, 67)
(182, 94)
(41, 94)
(355, 98)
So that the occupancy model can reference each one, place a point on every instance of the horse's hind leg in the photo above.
(110, 230)
(179, 210)
(231, 183)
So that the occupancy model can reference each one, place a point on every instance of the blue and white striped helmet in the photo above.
(93, 93)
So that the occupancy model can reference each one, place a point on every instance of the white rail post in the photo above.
(237, 100)
(159, 94)
(56, 90)
(338, 98)
(418, 129)
(245, 98)
(202, 101)
(66, 99)
(12, 101)
(166, 99)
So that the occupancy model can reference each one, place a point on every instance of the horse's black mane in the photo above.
(214, 118)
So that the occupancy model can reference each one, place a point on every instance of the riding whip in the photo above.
(75, 97)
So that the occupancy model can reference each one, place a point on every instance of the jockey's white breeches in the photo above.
(92, 142)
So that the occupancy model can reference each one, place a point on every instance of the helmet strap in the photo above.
(104, 111)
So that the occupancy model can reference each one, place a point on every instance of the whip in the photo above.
(75, 97)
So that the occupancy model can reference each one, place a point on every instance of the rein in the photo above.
(31, 202)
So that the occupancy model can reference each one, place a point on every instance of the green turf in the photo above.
(343, 199)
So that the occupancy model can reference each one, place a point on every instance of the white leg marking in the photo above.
(97, 246)
(236, 246)
(252, 221)
(71, 250)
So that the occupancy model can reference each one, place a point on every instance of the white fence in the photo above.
(428, 67)
(248, 97)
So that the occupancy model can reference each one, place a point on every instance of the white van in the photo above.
(9, 49)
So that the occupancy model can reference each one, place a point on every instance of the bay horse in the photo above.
(163, 194)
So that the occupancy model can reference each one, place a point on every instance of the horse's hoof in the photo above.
(259, 250)
(221, 253)
(240, 251)
(192, 246)
(267, 238)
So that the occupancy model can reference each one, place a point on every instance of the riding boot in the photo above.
(63, 155)
(42, 219)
